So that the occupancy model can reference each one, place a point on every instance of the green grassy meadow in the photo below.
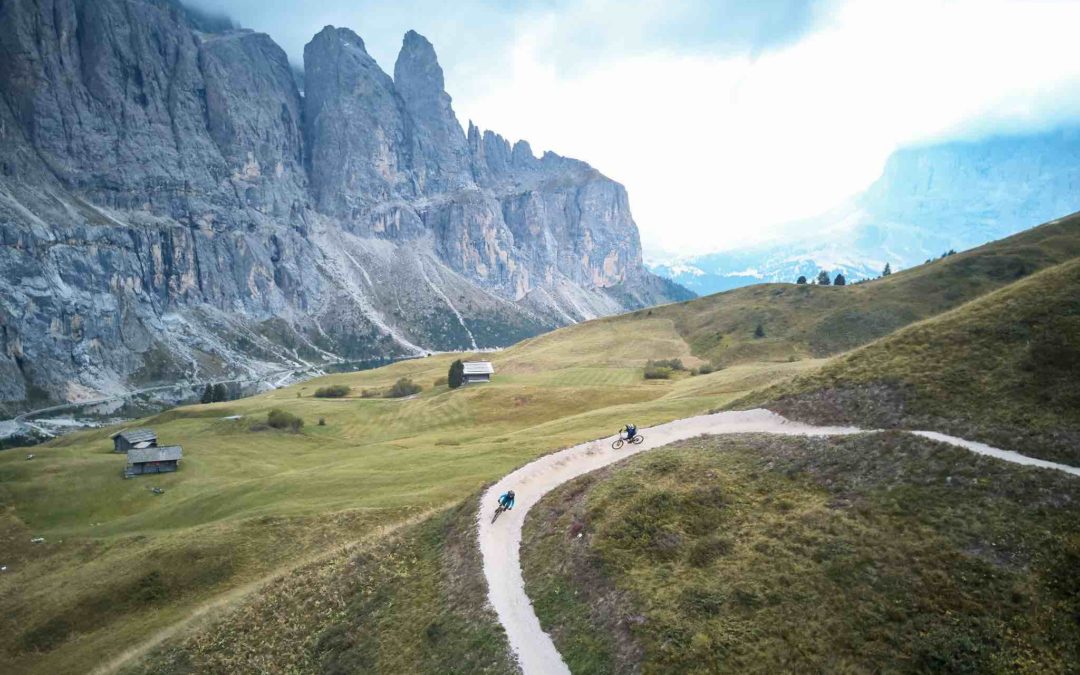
(120, 561)
(409, 602)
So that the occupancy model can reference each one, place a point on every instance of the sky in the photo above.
(725, 120)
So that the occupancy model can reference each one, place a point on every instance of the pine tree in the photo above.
(888, 270)
(207, 395)
(801, 280)
(823, 278)
(759, 332)
(840, 280)
(221, 393)
(456, 376)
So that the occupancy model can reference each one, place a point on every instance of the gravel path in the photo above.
(500, 543)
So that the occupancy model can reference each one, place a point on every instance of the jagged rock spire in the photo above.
(418, 75)
(442, 149)
(356, 127)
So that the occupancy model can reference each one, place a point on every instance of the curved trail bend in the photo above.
(500, 543)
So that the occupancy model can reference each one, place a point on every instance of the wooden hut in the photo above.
(152, 460)
(129, 439)
(477, 371)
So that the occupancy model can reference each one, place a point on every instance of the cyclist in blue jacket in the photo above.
(506, 500)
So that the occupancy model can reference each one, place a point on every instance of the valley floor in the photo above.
(121, 564)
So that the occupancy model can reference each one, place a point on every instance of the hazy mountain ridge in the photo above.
(172, 207)
(927, 201)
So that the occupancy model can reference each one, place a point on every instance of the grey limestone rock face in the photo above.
(359, 153)
(173, 208)
(255, 116)
(438, 142)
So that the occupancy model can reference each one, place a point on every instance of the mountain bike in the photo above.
(619, 442)
(497, 512)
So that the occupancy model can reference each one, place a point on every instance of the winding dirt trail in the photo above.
(500, 543)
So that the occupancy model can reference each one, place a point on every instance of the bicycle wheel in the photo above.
(497, 512)
(617, 444)
(637, 439)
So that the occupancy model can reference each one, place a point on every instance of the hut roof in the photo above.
(478, 368)
(134, 436)
(165, 453)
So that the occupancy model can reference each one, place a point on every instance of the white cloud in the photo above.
(716, 151)
(725, 118)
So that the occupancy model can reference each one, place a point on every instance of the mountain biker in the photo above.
(506, 500)
(630, 429)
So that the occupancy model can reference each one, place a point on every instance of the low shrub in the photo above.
(280, 419)
(704, 551)
(657, 373)
(440, 381)
(704, 369)
(402, 388)
(46, 636)
(370, 393)
(702, 601)
(322, 421)
(670, 364)
(333, 391)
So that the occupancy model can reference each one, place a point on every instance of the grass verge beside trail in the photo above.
(1003, 369)
(874, 553)
(414, 602)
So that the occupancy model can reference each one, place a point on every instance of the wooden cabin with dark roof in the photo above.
(153, 460)
(129, 439)
(475, 372)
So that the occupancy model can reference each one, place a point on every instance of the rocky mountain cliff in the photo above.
(928, 200)
(171, 207)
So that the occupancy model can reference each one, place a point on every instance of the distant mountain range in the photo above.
(927, 201)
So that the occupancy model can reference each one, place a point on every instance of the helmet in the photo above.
(510, 493)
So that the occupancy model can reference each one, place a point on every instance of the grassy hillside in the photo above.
(1004, 368)
(120, 562)
(876, 553)
(816, 321)
(413, 601)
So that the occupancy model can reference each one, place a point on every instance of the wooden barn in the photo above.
(477, 371)
(129, 439)
(152, 460)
